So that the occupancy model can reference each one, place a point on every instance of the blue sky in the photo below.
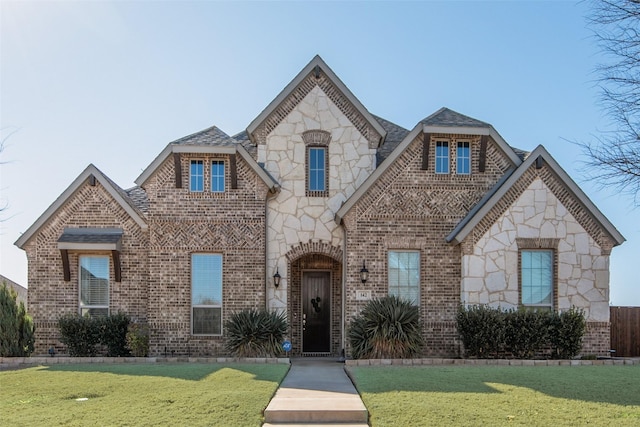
(111, 83)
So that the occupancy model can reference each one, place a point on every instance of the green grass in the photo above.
(500, 395)
(138, 395)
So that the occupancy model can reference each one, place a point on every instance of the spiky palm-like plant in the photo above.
(387, 328)
(256, 333)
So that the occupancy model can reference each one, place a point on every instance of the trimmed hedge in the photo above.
(488, 332)
(83, 335)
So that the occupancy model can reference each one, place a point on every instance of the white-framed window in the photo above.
(442, 157)
(317, 170)
(536, 278)
(196, 176)
(217, 176)
(404, 275)
(463, 158)
(206, 294)
(94, 285)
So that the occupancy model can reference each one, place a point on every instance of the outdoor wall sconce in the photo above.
(364, 273)
(276, 279)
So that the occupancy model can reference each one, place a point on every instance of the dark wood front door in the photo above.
(316, 312)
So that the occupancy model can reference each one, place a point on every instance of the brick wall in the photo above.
(413, 209)
(51, 297)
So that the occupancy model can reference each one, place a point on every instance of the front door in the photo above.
(316, 312)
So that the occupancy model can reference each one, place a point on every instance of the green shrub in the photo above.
(481, 329)
(256, 333)
(80, 334)
(138, 340)
(83, 334)
(113, 334)
(17, 332)
(566, 332)
(387, 328)
(526, 332)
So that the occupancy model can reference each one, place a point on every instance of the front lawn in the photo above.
(139, 395)
(500, 395)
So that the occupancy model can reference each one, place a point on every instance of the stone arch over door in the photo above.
(304, 260)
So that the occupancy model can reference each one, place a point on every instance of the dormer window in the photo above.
(217, 176)
(442, 157)
(196, 176)
(463, 158)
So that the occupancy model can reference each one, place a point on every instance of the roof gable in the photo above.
(315, 73)
(118, 194)
(540, 154)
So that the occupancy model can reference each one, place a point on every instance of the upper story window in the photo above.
(536, 278)
(442, 157)
(196, 176)
(217, 176)
(404, 275)
(317, 171)
(94, 286)
(206, 294)
(463, 158)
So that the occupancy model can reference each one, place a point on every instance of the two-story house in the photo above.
(295, 212)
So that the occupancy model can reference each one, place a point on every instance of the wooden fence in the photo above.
(625, 331)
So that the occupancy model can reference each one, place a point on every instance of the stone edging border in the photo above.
(491, 362)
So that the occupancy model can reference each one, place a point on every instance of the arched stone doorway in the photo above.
(314, 305)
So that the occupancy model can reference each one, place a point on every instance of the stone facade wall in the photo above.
(182, 223)
(50, 296)
(413, 209)
(293, 217)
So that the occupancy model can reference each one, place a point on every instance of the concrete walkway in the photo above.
(316, 391)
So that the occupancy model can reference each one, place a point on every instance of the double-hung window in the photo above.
(442, 157)
(94, 286)
(196, 176)
(404, 275)
(206, 294)
(217, 176)
(536, 278)
(463, 158)
(317, 170)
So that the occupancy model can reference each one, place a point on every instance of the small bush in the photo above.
(566, 332)
(256, 333)
(526, 332)
(113, 334)
(482, 330)
(17, 332)
(387, 328)
(80, 334)
(138, 340)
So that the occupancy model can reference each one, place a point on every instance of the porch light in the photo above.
(364, 273)
(276, 279)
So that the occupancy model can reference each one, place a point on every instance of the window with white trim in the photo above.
(94, 285)
(217, 176)
(404, 275)
(442, 157)
(196, 176)
(317, 171)
(536, 278)
(463, 158)
(206, 294)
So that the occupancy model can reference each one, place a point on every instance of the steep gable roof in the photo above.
(316, 66)
(118, 194)
(483, 207)
(395, 135)
(210, 140)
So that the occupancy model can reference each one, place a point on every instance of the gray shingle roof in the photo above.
(210, 136)
(91, 235)
(243, 139)
(139, 198)
(395, 135)
(447, 117)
